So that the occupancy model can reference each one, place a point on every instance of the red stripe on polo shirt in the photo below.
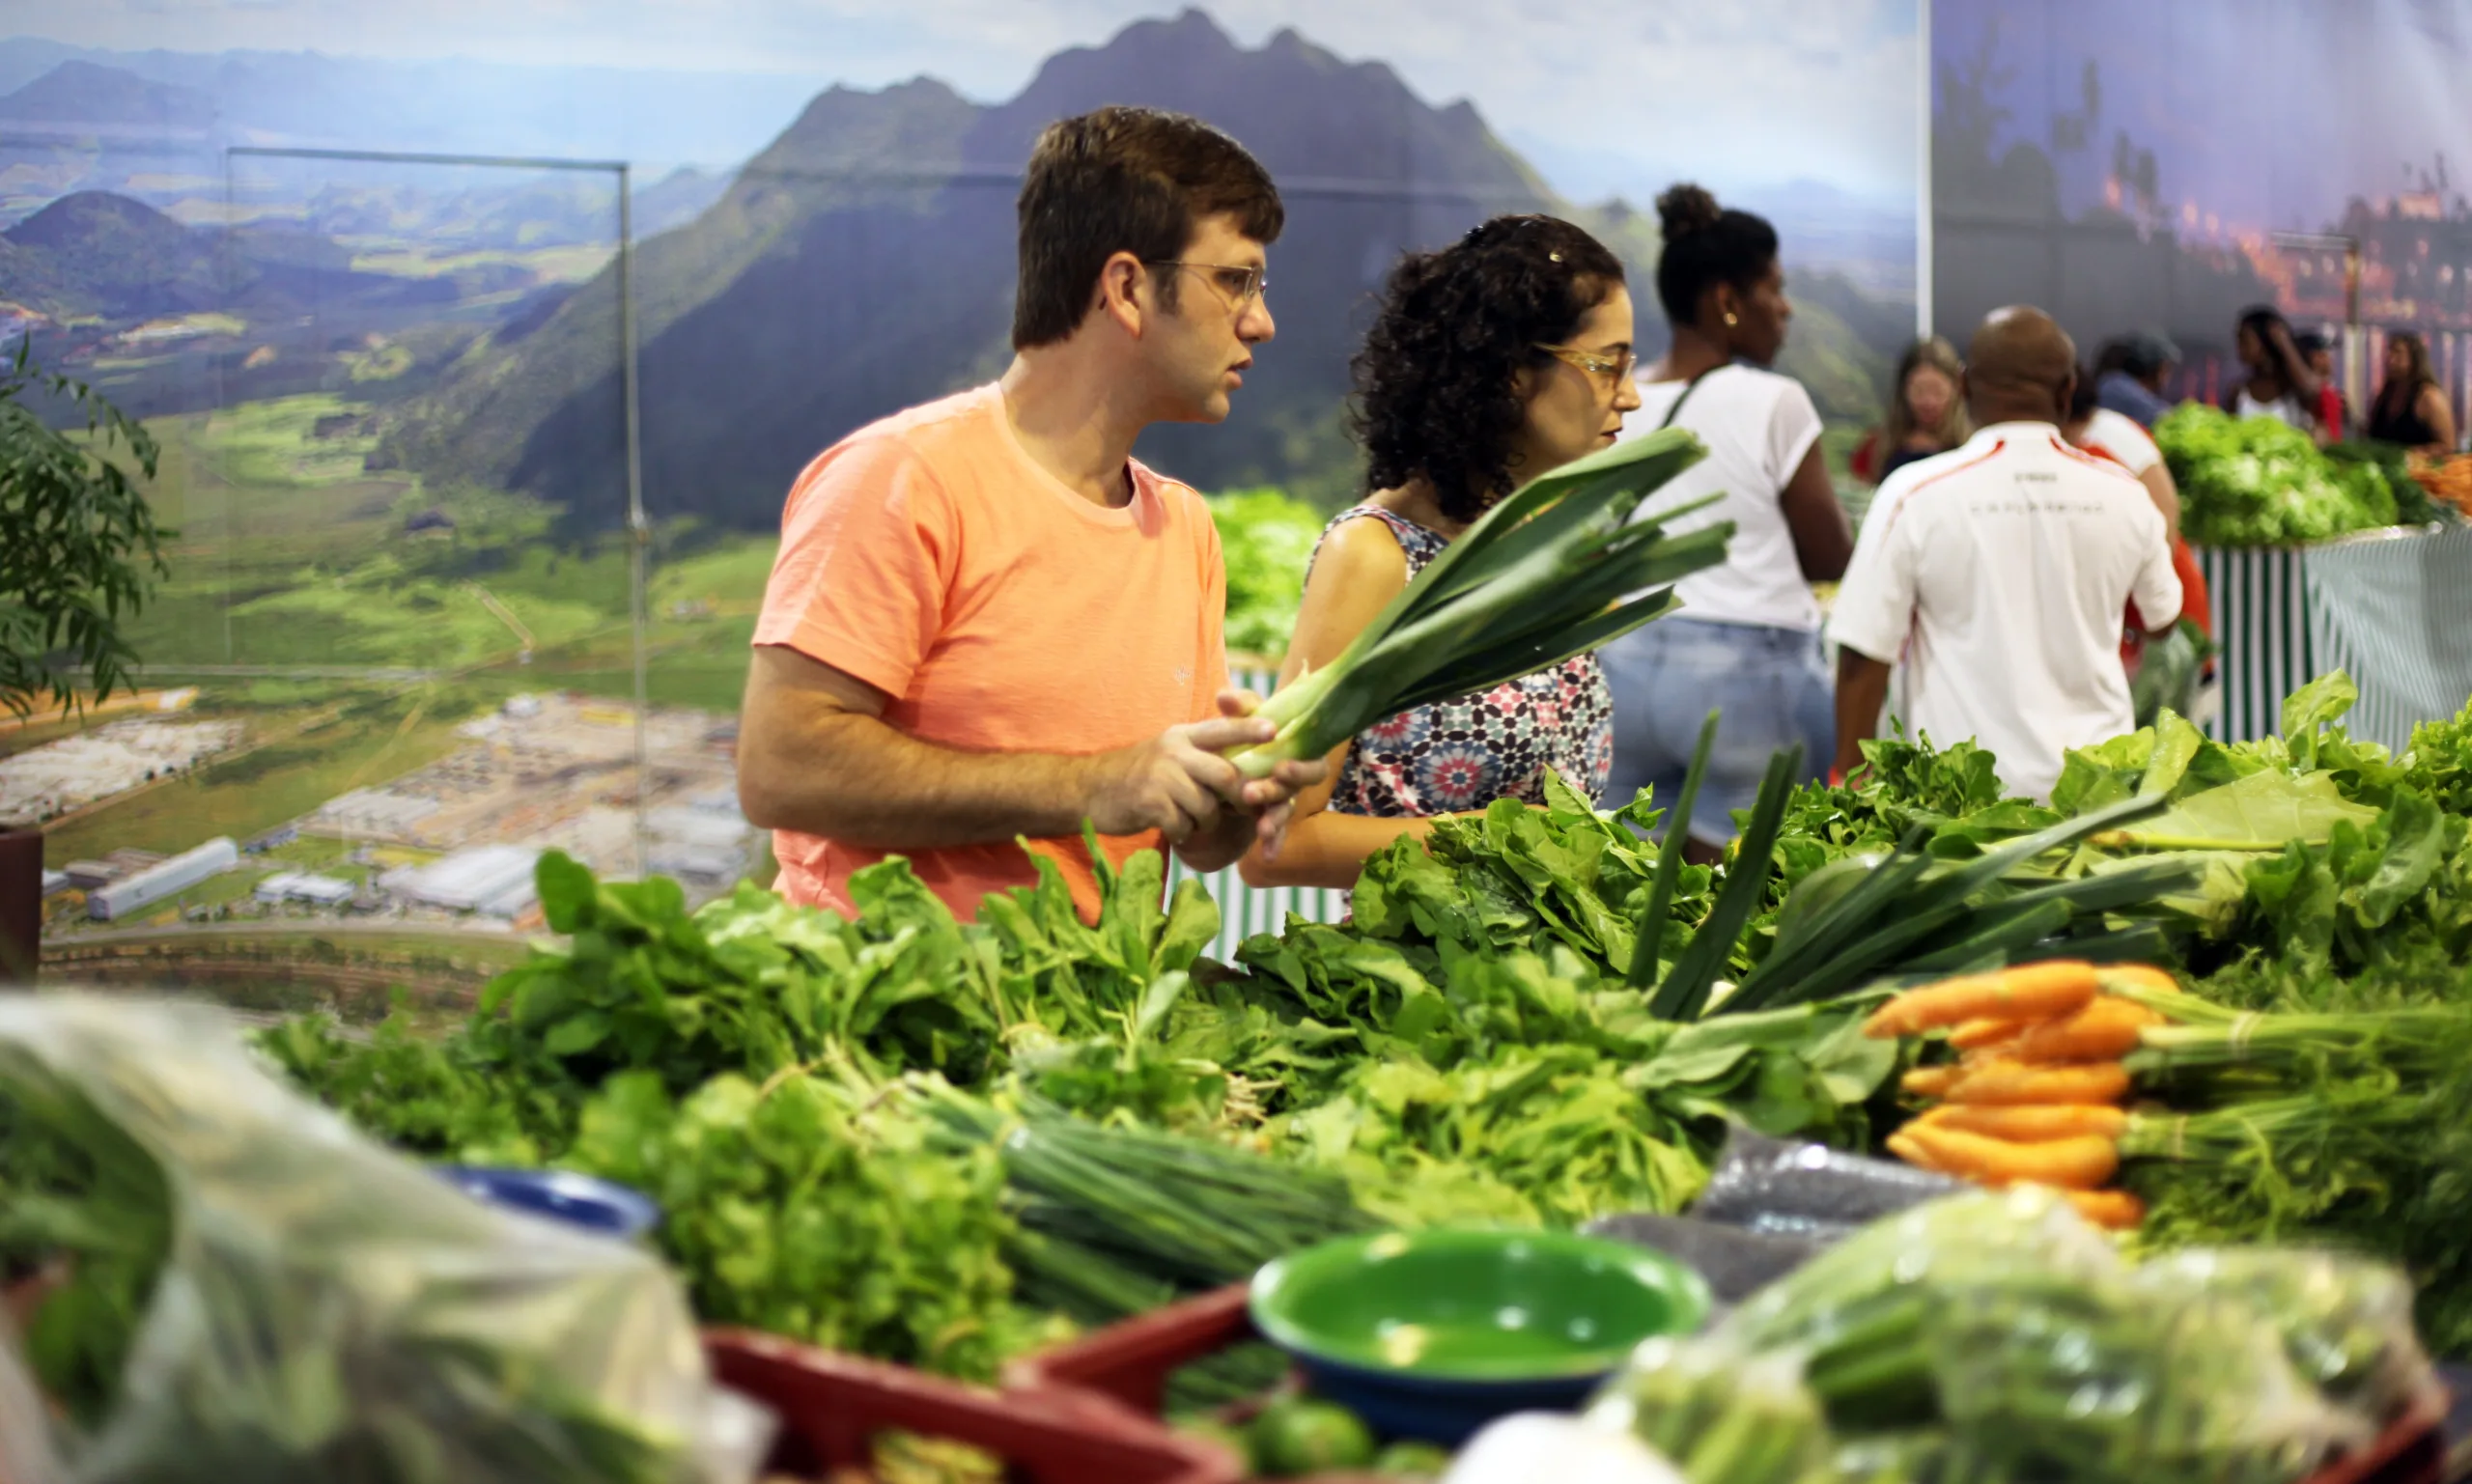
(1985, 456)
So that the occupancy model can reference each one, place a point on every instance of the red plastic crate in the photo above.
(1128, 1364)
(2410, 1451)
(1124, 1367)
(833, 1406)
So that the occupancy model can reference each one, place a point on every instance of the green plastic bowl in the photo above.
(1431, 1334)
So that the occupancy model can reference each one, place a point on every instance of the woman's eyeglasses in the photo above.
(1610, 369)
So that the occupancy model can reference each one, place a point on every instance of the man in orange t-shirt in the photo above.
(987, 620)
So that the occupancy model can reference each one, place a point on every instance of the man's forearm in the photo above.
(1861, 691)
(860, 780)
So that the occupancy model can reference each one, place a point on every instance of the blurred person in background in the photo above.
(2279, 384)
(2131, 374)
(2120, 438)
(1926, 415)
(2109, 434)
(2334, 413)
(1747, 639)
(2411, 407)
(1489, 363)
(1994, 576)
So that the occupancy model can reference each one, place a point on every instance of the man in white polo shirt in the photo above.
(1996, 575)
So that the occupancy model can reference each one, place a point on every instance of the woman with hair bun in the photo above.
(1490, 362)
(1746, 641)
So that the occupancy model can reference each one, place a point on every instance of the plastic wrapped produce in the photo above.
(1997, 1338)
(2109, 1379)
(1724, 1418)
(243, 1288)
(2345, 1322)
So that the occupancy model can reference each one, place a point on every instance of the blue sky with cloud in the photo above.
(1614, 99)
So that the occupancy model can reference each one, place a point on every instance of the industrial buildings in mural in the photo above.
(2143, 166)
(388, 390)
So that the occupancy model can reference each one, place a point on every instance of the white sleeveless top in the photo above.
(1759, 426)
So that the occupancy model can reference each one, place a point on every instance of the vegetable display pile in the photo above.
(1485, 1041)
(1997, 1337)
(2259, 482)
(1266, 538)
(772, 1075)
(941, 1143)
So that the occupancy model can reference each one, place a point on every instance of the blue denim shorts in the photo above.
(1769, 686)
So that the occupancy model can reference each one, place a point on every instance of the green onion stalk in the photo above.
(1551, 573)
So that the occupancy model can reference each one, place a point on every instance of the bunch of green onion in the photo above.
(1550, 572)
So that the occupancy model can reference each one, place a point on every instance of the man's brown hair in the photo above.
(1125, 180)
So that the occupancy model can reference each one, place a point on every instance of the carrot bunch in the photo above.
(2037, 1094)
(2448, 478)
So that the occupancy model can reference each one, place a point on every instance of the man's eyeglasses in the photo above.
(1239, 286)
(1612, 369)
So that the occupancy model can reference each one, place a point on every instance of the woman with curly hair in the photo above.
(1491, 361)
(1746, 643)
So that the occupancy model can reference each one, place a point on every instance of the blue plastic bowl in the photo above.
(1431, 1335)
(579, 1200)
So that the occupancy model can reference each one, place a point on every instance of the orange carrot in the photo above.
(2007, 1087)
(1973, 1035)
(1932, 1082)
(2114, 1210)
(1903, 1146)
(2136, 977)
(2032, 1122)
(2081, 1164)
(2030, 991)
(2105, 1030)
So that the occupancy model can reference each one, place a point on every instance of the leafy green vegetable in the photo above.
(1267, 539)
(1551, 570)
(2260, 812)
(2259, 482)
(800, 1208)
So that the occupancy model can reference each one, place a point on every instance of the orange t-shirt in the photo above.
(929, 555)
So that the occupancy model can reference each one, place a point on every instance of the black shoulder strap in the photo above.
(1688, 387)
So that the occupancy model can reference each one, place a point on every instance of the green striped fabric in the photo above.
(2393, 610)
(2262, 625)
(1244, 911)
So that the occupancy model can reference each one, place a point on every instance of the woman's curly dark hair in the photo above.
(1434, 381)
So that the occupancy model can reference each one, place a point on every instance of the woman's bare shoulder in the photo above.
(1361, 549)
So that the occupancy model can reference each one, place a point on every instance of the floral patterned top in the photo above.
(1465, 754)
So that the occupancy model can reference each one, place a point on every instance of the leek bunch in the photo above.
(1550, 572)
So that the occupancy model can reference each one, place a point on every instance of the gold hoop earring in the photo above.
(1729, 319)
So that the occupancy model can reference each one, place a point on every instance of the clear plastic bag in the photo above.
(1723, 1416)
(2123, 1379)
(327, 1310)
(1996, 1337)
(2346, 1321)
(1875, 1289)
(1737, 1262)
(1789, 1187)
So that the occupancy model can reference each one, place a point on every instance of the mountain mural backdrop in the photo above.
(863, 261)
(860, 262)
